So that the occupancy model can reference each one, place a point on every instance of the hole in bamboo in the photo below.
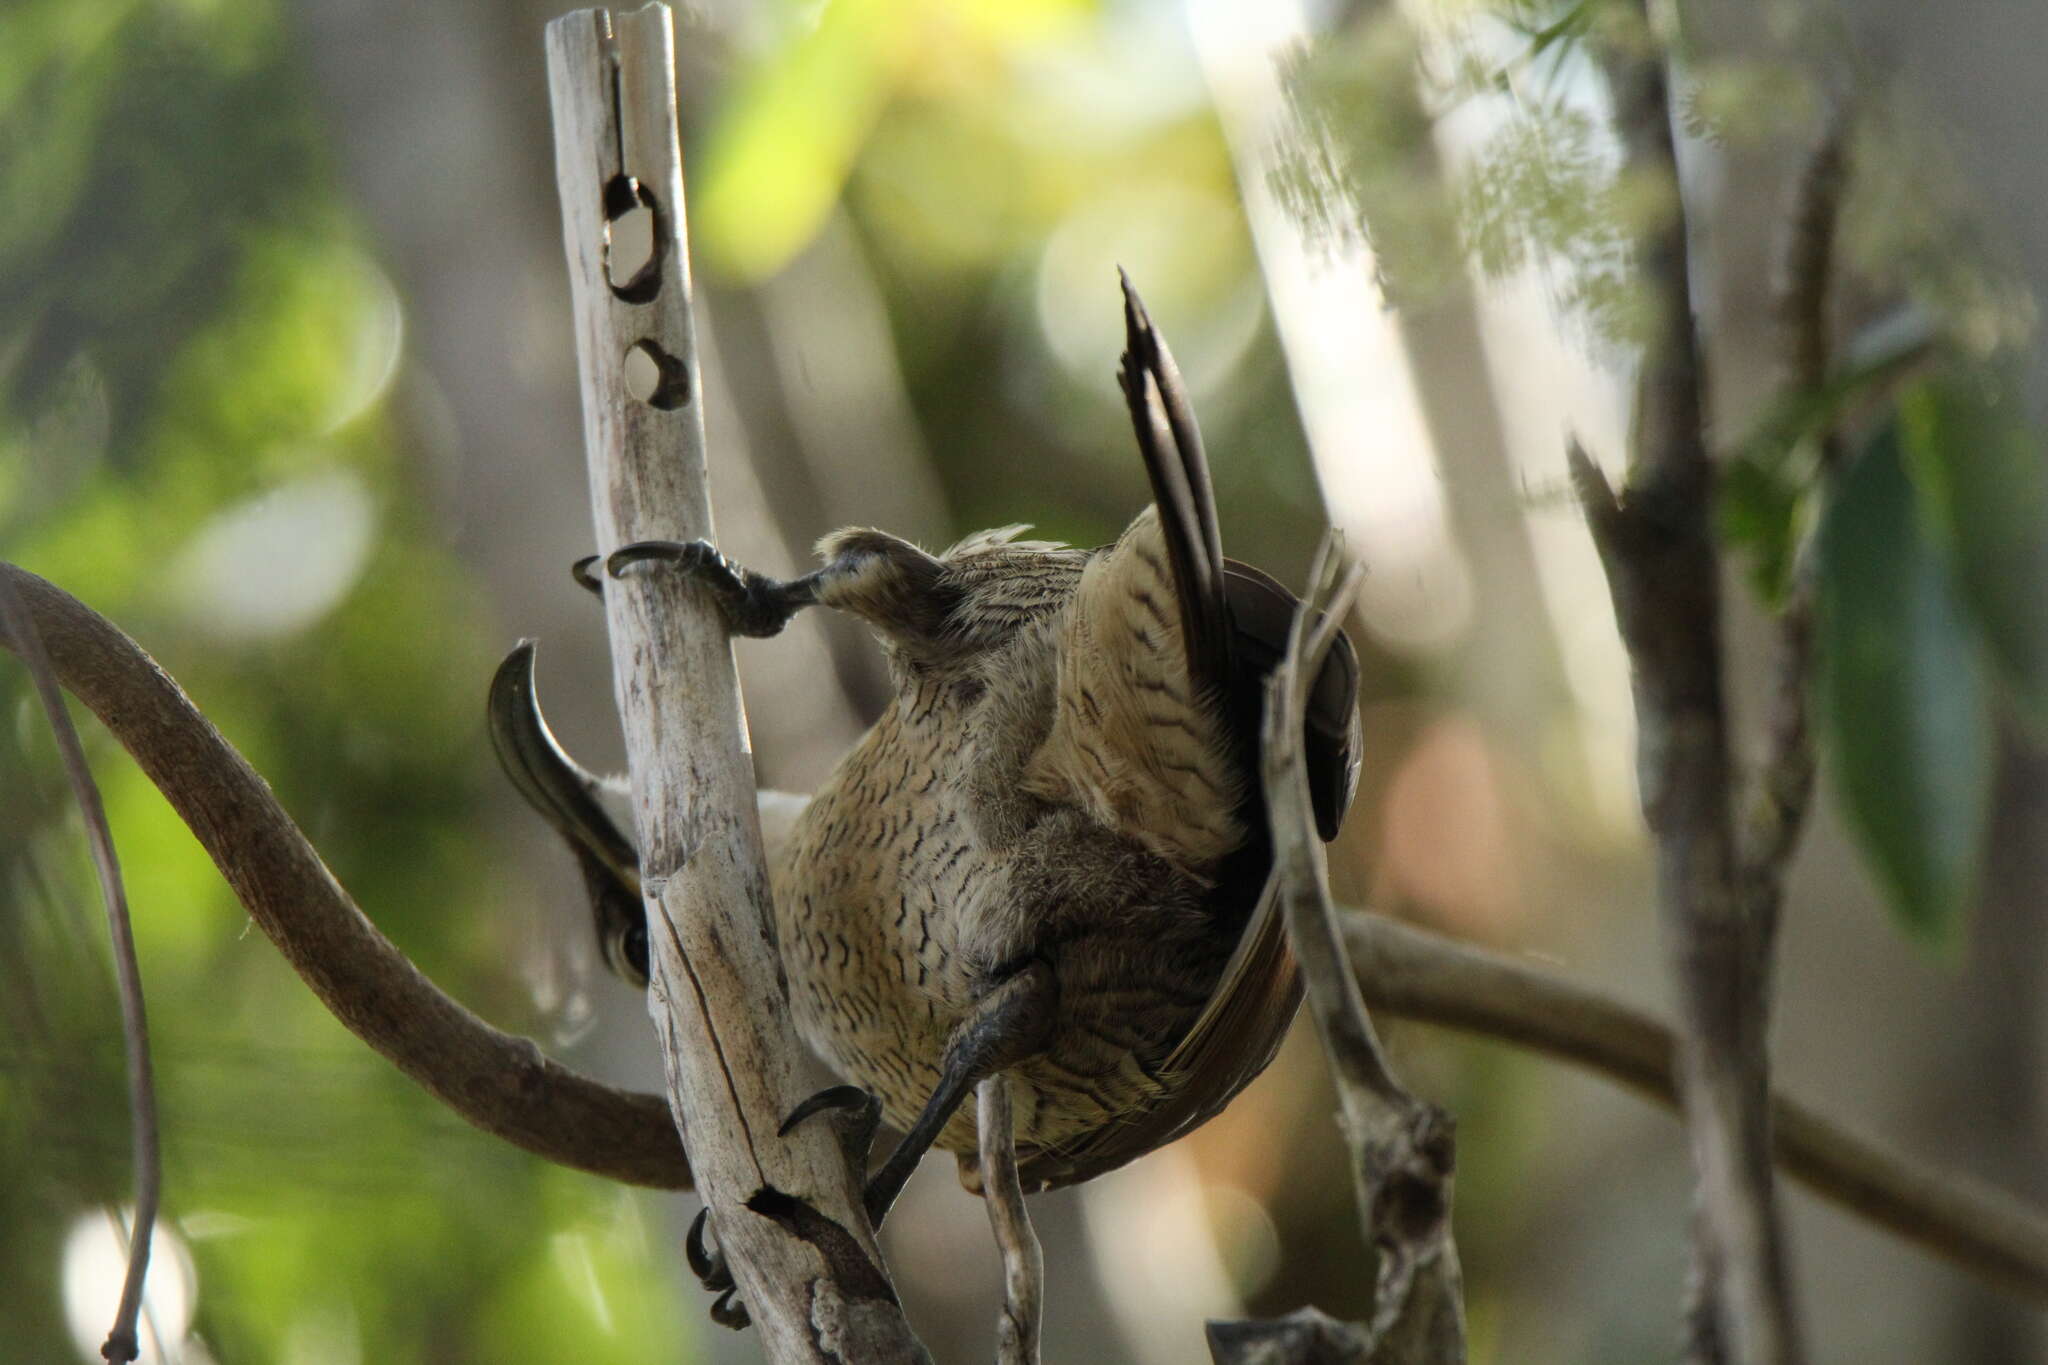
(655, 377)
(633, 235)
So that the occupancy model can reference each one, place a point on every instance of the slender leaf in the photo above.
(1904, 701)
(1982, 474)
(1767, 481)
(1758, 508)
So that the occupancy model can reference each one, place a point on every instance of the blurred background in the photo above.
(287, 389)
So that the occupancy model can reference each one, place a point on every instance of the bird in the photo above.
(1049, 855)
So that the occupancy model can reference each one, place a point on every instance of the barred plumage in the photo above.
(1048, 857)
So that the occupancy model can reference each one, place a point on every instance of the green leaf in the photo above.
(1764, 503)
(1983, 479)
(1904, 704)
(1757, 506)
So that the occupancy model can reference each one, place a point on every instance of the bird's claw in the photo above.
(728, 1311)
(707, 1265)
(752, 604)
(714, 1273)
(856, 1134)
(863, 1117)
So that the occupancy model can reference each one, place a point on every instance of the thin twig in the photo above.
(1413, 973)
(1782, 789)
(121, 1343)
(1023, 1261)
(1656, 545)
(1806, 262)
(501, 1083)
(1307, 1336)
(505, 1086)
(1402, 1148)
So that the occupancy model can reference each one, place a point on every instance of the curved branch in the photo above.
(501, 1083)
(15, 621)
(1403, 1149)
(1420, 975)
(504, 1085)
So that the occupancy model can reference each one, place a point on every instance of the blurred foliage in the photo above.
(1904, 709)
(1980, 471)
(1931, 554)
(1013, 157)
(1917, 628)
(1542, 188)
(195, 341)
(801, 112)
(190, 328)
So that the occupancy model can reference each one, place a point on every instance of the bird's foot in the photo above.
(713, 1272)
(861, 1116)
(752, 604)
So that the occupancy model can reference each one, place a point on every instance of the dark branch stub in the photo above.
(1307, 1336)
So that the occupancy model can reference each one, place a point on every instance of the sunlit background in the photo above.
(287, 389)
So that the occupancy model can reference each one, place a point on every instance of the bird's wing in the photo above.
(1230, 1044)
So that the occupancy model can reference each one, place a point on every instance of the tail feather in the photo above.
(1171, 445)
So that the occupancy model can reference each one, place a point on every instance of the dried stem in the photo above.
(121, 1343)
(499, 1082)
(1663, 570)
(505, 1086)
(1023, 1261)
(1402, 1148)
(1412, 973)
(786, 1208)
(1782, 789)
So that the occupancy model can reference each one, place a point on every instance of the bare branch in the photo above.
(500, 1083)
(20, 626)
(505, 1086)
(1411, 973)
(787, 1209)
(1657, 547)
(1402, 1149)
(1782, 789)
(1806, 264)
(1307, 1336)
(1023, 1261)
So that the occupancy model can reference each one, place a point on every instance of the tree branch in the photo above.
(1656, 545)
(1402, 1148)
(19, 625)
(787, 1208)
(500, 1083)
(1003, 1191)
(1415, 974)
(1782, 790)
(505, 1086)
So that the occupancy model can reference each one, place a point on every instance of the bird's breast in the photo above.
(892, 911)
